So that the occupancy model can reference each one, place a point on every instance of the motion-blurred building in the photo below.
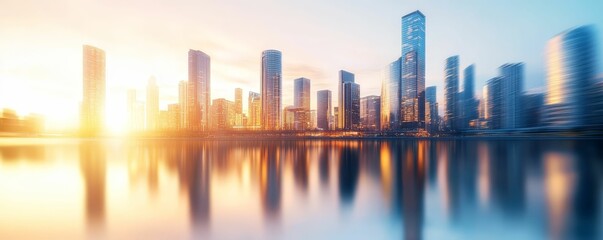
(451, 92)
(94, 86)
(431, 113)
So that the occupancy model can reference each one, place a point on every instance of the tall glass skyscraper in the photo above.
(571, 69)
(254, 105)
(94, 86)
(469, 106)
(323, 112)
(511, 92)
(343, 106)
(351, 106)
(390, 97)
(413, 70)
(451, 92)
(199, 85)
(301, 100)
(271, 89)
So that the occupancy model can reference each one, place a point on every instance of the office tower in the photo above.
(223, 112)
(199, 82)
(531, 109)
(183, 102)
(135, 112)
(350, 117)
(271, 89)
(494, 102)
(152, 105)
(349, 101)
(173, 116)
(294, 118)
(390, 97)
(93, 99)
(571, 69)
(238, 101)
(512, 81)
(451, 92)
(301, 99)
(412, 85)
(335, 122)
(469, 104)
(431, 106)
(370, 112)
(323, 109)
(254, 110)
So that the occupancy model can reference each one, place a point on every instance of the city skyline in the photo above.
(168, 85)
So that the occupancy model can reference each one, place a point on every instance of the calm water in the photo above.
(407, 189)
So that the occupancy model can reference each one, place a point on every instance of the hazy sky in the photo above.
(41, 44)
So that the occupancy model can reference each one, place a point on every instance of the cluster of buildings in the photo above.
(573, 99)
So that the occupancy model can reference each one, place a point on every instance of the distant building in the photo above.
(271, 89)
(152, 105)
(301, 99)
(254, 112)
(468, 107)
(335, 121)
(223, 112)
(595, 113)
(238, 107)
(313, 124)
(293, 118)
(183, 102)
(493, 98)
(390, 97)
(532, 108)
(199, 85)
(349, 101)
(323, 111)
(571, 69)
(431, 106)
(451, 92)
(370, 112)
(174, 116)
(94, 86)
(512, 81)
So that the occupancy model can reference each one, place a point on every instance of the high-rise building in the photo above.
(370, 112)
(94, 86)
(238, 101)
(183, 102)
(469, 104)
(271, 89)
(431, 114)
(512, 81)
(199, 84)
(135, 112)
(254, 110)
(494, 102)
(173, 117)
(350, 117)
(223, 112)
(301, 99)
(313, 125)
(390, 97)
(451, 92)
(152, 105)
(412, 85)
(349, 101)
(323, 110)
(335, 122)
(571, 69)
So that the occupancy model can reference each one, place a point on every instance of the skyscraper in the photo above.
(370, 112)
(571, 69)
(93, 99)
(183, 102)
(152, 105)
(271, 89)
(512, 81)
(451, 92)
(323, 115)
(199, 90)
(431, 114)
(254, 110)
(412, 62)
(301, 99)
(390, 97)
(222, 114)
(238, 104)
(469, 104)
(345, 109)
(494, 102)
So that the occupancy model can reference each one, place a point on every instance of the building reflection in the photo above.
(349, 170)
(93, 170)
(270, 179)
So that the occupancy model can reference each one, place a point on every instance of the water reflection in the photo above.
(463, 189)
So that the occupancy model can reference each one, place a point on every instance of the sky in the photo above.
(41, 45)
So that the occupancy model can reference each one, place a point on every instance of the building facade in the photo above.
(451, 82)
(431, 114)
(370, 113)
(301, 99)
(254, 110)
(199, 84)
(94, 87)
(271, 89)
(412, 62)
(323, 109)
(346, 107)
